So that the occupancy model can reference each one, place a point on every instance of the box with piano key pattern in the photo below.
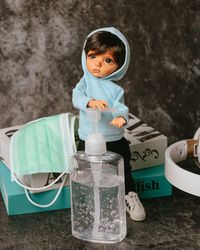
(147, 145)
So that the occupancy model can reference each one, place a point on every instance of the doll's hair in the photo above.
(102, 41)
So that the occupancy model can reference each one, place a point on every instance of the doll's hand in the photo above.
(118, 122)
(101, 105)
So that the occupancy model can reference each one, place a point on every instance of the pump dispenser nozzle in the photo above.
(95, 143)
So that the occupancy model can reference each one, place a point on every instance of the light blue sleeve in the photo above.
(119, 104)
(79, 96)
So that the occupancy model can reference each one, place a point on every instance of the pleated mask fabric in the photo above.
(44, 145)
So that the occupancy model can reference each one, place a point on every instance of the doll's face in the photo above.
(101, 65)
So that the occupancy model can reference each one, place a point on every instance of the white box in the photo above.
(34, 180)
(146, 144)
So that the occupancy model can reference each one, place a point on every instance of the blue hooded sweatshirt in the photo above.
(91, 87)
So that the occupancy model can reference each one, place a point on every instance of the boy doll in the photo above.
(105, 58)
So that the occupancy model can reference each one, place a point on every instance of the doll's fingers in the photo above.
(105, 104)
(118, 125)
(99, 106)
(95, 104)
(121, 121)
(118, 122)
(121, 124)
(102, 105)
(113, 123)
(92, 104)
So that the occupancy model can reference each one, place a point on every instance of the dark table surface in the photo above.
(172, 223)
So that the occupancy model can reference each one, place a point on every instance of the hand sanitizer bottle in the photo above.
(98, 211)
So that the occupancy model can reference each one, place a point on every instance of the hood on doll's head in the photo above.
(118, 74)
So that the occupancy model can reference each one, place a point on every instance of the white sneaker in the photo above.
(134, 207)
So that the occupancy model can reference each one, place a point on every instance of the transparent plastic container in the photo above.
(98, 211)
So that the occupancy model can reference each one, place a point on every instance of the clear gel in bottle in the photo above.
(98, 211)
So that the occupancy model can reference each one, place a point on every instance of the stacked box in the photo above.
(147, 159)
(147, 145)
(151, 182)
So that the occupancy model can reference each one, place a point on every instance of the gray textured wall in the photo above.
(40, 52)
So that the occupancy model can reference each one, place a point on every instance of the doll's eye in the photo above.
(110, 61)
(92, 56)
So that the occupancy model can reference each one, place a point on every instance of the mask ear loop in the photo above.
(52, 202)
(26, 188)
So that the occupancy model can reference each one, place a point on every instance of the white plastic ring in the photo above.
(197, 137)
